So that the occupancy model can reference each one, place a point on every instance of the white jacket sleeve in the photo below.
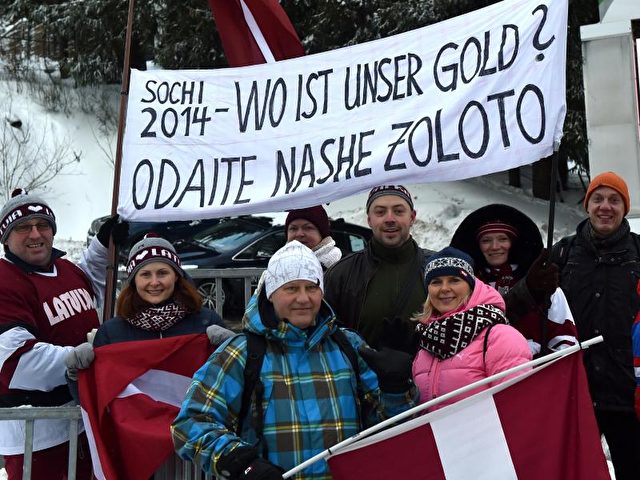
(93, 263)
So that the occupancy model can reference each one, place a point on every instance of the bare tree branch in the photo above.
(30, 159)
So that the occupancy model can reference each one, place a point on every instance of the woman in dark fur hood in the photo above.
(503, 242)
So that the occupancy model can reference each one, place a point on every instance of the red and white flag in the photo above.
(538, 426)
(255, 31)
(129, 397)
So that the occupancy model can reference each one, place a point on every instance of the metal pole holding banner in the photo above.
(552, 198)
(550, 227)
(418, 408)
(112, 266)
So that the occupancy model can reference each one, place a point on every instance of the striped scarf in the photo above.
(444, 338)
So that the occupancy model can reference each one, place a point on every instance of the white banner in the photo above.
(476, 94)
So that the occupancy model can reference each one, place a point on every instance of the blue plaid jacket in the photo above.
(310, 400)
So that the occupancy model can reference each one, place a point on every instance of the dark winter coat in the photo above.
(117, 329)
(346, 285)
(601, 285)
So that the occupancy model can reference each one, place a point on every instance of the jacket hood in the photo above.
(524, 249)
(261, 319)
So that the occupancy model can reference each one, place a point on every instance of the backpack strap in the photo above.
(345, 345)
(256, 349)
(565, 245)
(636, 242)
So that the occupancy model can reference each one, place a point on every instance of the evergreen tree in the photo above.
(186, 36)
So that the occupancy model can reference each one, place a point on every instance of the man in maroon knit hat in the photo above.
(310, 226)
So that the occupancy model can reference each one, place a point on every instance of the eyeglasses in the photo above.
(26, 227)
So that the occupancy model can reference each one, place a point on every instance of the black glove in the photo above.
(398, 334)
(119, 230)
(543, 277)
(243, 463)
(392, 367)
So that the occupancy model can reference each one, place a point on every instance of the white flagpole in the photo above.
(418, 408)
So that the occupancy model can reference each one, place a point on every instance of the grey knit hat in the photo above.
(22, 206)
(152, 248)
(382, 190)
(294, 261)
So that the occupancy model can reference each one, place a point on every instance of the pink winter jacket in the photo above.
(506, 348)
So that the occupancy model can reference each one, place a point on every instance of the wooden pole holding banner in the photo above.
(112, 266)
(423, 406)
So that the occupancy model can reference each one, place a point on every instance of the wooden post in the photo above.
(112, 268)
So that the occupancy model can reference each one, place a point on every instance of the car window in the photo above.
(228, 235)
(263, 248)
(348, 242)
(357, 243)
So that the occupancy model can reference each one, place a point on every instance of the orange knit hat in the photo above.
(611, 180)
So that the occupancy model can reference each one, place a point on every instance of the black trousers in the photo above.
(622, 432)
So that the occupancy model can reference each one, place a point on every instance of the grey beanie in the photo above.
(152, 248)
(22, 206)
(294, 261)
(382, 190)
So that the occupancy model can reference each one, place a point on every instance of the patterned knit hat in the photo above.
(382, 190)
(22, 206)
(611, 180)
(450, 261)
(316, 215)
(292, 262)
(152, 248)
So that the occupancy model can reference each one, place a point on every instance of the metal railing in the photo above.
(174, 468)
(30, 415)
(218, 276)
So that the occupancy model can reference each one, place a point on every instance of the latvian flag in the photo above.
(255, 31)
(537, 426)
(129, 397)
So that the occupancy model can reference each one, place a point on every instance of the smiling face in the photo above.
(32, 240)
(495, 248)
(606, 210)
(447, 293)
(390, 218)
(155, 282)
(305, 232)
(297, 302)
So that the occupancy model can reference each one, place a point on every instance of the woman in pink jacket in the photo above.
(464, 334)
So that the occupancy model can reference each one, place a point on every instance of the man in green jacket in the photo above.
(376, 291)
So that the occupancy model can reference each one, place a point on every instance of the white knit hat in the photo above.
(152, 248)
(22, 206)
(292, 262)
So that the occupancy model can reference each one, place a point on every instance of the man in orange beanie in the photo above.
(600, 275)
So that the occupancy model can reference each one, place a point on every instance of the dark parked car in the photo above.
(229, 243)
